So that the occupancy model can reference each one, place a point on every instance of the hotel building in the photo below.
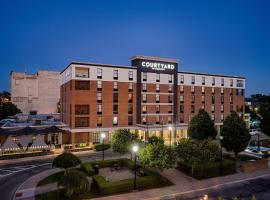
(147, 97)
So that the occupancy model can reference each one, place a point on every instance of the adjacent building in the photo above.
(147, 97)
(38, 92)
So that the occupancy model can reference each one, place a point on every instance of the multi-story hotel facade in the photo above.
(150, 97)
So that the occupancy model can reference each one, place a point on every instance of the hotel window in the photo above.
(169, 109)
(170, 78)
(192, 89)
(203, 107)
(203, 80)
(231, 91)
(213, 81)
(144, 98)
(222, 90)
(193, 80)
(222, 117)
(231, 99)
(181, 119)
(203, 89)
(82, 85)
(99, 97)
(239, 92)
(81, 122)
(192, 108)
(115, 109)
(144, 120)
(115, 120)
(157, 98)
(213, 99)
(213, 90)
(222, 81)
(82, 109)
(222, 99)
(115, 97)
(99, 73)
(181, 108)
(99, 109)
(231, 82)
(193, 98)
(169, 119)
(170, 88)
(115, 74)
(182, 79)
(181, 88)
(99, 85)
(157, 77)
(99, 121)
(213, 117)
(130, 97)
(144, 109)
(157, 108)
(239, 83)
(144, 75)
(157, 87)
(213, 108)
(130, 108)
(157, 119)
(170, 99)
(115, 86)
(231, 108)
(130, 75)
(82, 72)
(130, 120)
(182, 99)
(203, 99)
(130, 86)
(144, 87)
(222, 108)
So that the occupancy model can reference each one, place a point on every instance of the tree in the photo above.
(66, 161)
(235, 134)
(155, 140)
(122, 140)
(8, 109)
(201, 126)
(265, 123)
(157, 155)
(74, 182)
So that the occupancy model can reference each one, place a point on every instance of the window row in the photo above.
(158, 120)
(85, 85)
(144, 88)
(81, 122)
(144, 98)
(157, 109)
(144, 77)
(213, 99)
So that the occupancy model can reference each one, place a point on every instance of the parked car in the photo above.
(253, 132)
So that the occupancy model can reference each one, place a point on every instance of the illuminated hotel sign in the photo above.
(157, 66)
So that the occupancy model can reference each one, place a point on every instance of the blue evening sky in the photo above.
(226, 37)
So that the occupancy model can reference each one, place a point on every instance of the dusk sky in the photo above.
(224, 37)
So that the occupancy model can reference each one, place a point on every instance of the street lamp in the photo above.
(220, 165)
(135, 149)
(170, 129)
(258, 141)
(103, 137)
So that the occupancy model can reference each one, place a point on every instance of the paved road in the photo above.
(13, 175)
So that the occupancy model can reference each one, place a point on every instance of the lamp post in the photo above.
(135, 149)
(220, 165)
(103, 137)
(258, 141)
(170, 129)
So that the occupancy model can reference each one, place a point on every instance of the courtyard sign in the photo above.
(157, 66)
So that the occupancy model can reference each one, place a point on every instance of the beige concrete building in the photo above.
(36, 92)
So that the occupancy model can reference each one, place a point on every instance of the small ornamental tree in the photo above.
(8, 109)
(265, 123)
(74, 182)
(235, 134)
(66, 161)
(201, 126)
(122, 140)
(155, 140)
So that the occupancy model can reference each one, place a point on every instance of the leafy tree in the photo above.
(155, 140)
(5, 95)
(66, 161)
(201, 126)
(74, 182)
(265, 123)
(157, 155)
(235, 134)
(8, 109)
(122, 140)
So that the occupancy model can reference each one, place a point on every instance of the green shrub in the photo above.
(66, 160)
(109, 163)
(100, 147)
(88, 168)
(209, 170)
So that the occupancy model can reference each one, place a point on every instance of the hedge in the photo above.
(146, 182)
(100, 147)
(88, 168)
(209, 170)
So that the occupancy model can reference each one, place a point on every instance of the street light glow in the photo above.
(221, 137)
(170, 128)
(135, 148)
(103, 135)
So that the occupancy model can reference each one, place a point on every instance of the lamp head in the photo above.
(135, 148)
(103, 135)
(170, 128)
